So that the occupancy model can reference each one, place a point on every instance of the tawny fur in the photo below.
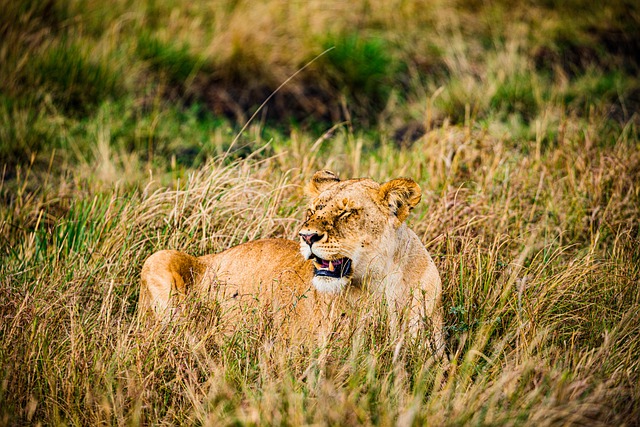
(358, 219)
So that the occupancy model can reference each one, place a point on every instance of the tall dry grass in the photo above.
(538, 254)
(524, 141)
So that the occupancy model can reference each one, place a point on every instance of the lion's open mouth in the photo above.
(335, 268)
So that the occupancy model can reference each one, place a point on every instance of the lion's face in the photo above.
(351, 224)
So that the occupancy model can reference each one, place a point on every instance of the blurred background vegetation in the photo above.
(166, 75)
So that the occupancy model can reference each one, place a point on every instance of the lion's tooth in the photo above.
(331, 267)
(317, 265)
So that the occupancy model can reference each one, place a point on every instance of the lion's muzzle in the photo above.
(336, 268)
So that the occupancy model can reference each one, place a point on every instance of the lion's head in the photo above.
(351, 225)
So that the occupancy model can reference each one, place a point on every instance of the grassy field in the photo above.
(125, 128)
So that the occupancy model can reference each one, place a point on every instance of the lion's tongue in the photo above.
(328, 265)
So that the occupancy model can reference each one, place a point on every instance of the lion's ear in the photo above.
(320, 181)
(400, 195)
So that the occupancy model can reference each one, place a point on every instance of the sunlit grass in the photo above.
(536, 294)
(117, 139)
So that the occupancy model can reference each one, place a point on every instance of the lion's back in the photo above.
(257, 265)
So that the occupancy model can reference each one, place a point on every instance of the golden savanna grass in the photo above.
(525, 144)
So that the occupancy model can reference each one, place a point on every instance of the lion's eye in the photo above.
(344, 214)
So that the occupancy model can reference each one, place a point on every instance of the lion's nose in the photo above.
(310, 238)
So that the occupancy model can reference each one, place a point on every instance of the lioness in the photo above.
(353, 239)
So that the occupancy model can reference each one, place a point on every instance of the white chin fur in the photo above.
(329, 284)
(305, 250)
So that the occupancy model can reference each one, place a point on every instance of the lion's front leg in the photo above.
(426, 313)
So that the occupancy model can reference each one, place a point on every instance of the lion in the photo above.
(354, 240)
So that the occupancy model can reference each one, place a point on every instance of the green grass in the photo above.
(174, 63)
(362, 69)
(118, 128)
